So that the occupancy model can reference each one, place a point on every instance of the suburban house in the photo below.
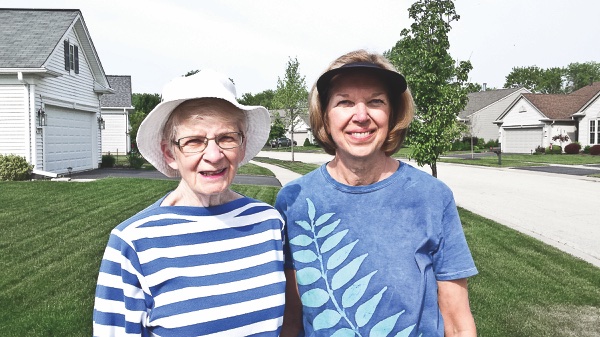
(533, 120)
(484, 107)
(301, 127)
(116, 108)
(51, 81)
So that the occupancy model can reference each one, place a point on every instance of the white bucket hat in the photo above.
(205, 84)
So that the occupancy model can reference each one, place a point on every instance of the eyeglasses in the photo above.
(195, 144)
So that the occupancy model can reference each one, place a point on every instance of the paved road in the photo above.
(559, 209)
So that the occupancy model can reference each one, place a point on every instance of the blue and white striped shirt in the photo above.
(193, 271)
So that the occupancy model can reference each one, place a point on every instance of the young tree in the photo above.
(291, 96)
(438, 83)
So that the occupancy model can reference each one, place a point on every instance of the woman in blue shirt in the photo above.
(377, 245)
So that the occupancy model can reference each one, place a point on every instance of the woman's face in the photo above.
(357, 113)
(211, 171)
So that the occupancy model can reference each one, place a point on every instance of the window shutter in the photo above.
(67, 55)
(76, 56)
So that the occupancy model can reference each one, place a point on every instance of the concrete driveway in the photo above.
(562, 210)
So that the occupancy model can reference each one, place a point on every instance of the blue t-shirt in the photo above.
(193, 271)
(368, 258)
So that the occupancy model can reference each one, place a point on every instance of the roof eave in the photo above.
(42, 72)
(100, 89)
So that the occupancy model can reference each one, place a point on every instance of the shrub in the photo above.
(13, 167)
(491, 143)
(306, 142)
(595, 150)
(586, 149)
(135, 160)
(554, 149)
(572, 148)
(108, 160)
(540, 150)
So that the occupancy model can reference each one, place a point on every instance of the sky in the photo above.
(251, 41)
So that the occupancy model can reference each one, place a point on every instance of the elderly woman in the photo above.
(202, 260)
(377, 245)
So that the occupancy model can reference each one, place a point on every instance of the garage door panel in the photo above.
(68, 139)
(523, 140)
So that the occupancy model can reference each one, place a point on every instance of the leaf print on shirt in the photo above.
(337, 271)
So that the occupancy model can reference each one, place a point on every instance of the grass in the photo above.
(519, 160)
(527, 288)
(295, 166)
(254, 170)
(54, 234)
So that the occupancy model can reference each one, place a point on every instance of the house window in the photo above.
(595, 131)
(71, 57)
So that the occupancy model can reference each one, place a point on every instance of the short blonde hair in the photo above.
(402, 106)
(196, 109)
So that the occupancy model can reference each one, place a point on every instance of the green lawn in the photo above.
(54, 234)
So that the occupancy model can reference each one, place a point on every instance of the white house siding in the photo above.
(483, 121)
(74, 93)
(115, 138)
(14, 120)
(557, 129)
(592, 112)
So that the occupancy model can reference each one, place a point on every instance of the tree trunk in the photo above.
(292, 143)
(433, 169)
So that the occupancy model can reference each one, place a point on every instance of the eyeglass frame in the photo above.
(206, 139)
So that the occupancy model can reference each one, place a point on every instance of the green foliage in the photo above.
(277, 129)
(135, 160)
(135, 119)
(554, 149)
(264, 98)
(108, 160)
(306, 142)
(145, 102)
(437, 82)
(291, 96)
(586, 149)
(539, 150)
(579, 75)
(13, 167)
(555, 80)
(473, 87)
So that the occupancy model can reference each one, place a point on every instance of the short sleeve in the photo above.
(453, 260)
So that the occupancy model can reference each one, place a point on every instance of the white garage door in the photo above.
(69, 139)
(522, 140)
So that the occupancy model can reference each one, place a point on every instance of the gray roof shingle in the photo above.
(28, 36)
(481, 99)
(121, 84)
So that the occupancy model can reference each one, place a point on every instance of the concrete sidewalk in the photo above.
(559, 209)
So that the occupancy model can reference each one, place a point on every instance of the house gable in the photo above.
(484, 107)
(522, 113)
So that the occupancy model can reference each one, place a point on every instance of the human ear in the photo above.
(169, 156)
